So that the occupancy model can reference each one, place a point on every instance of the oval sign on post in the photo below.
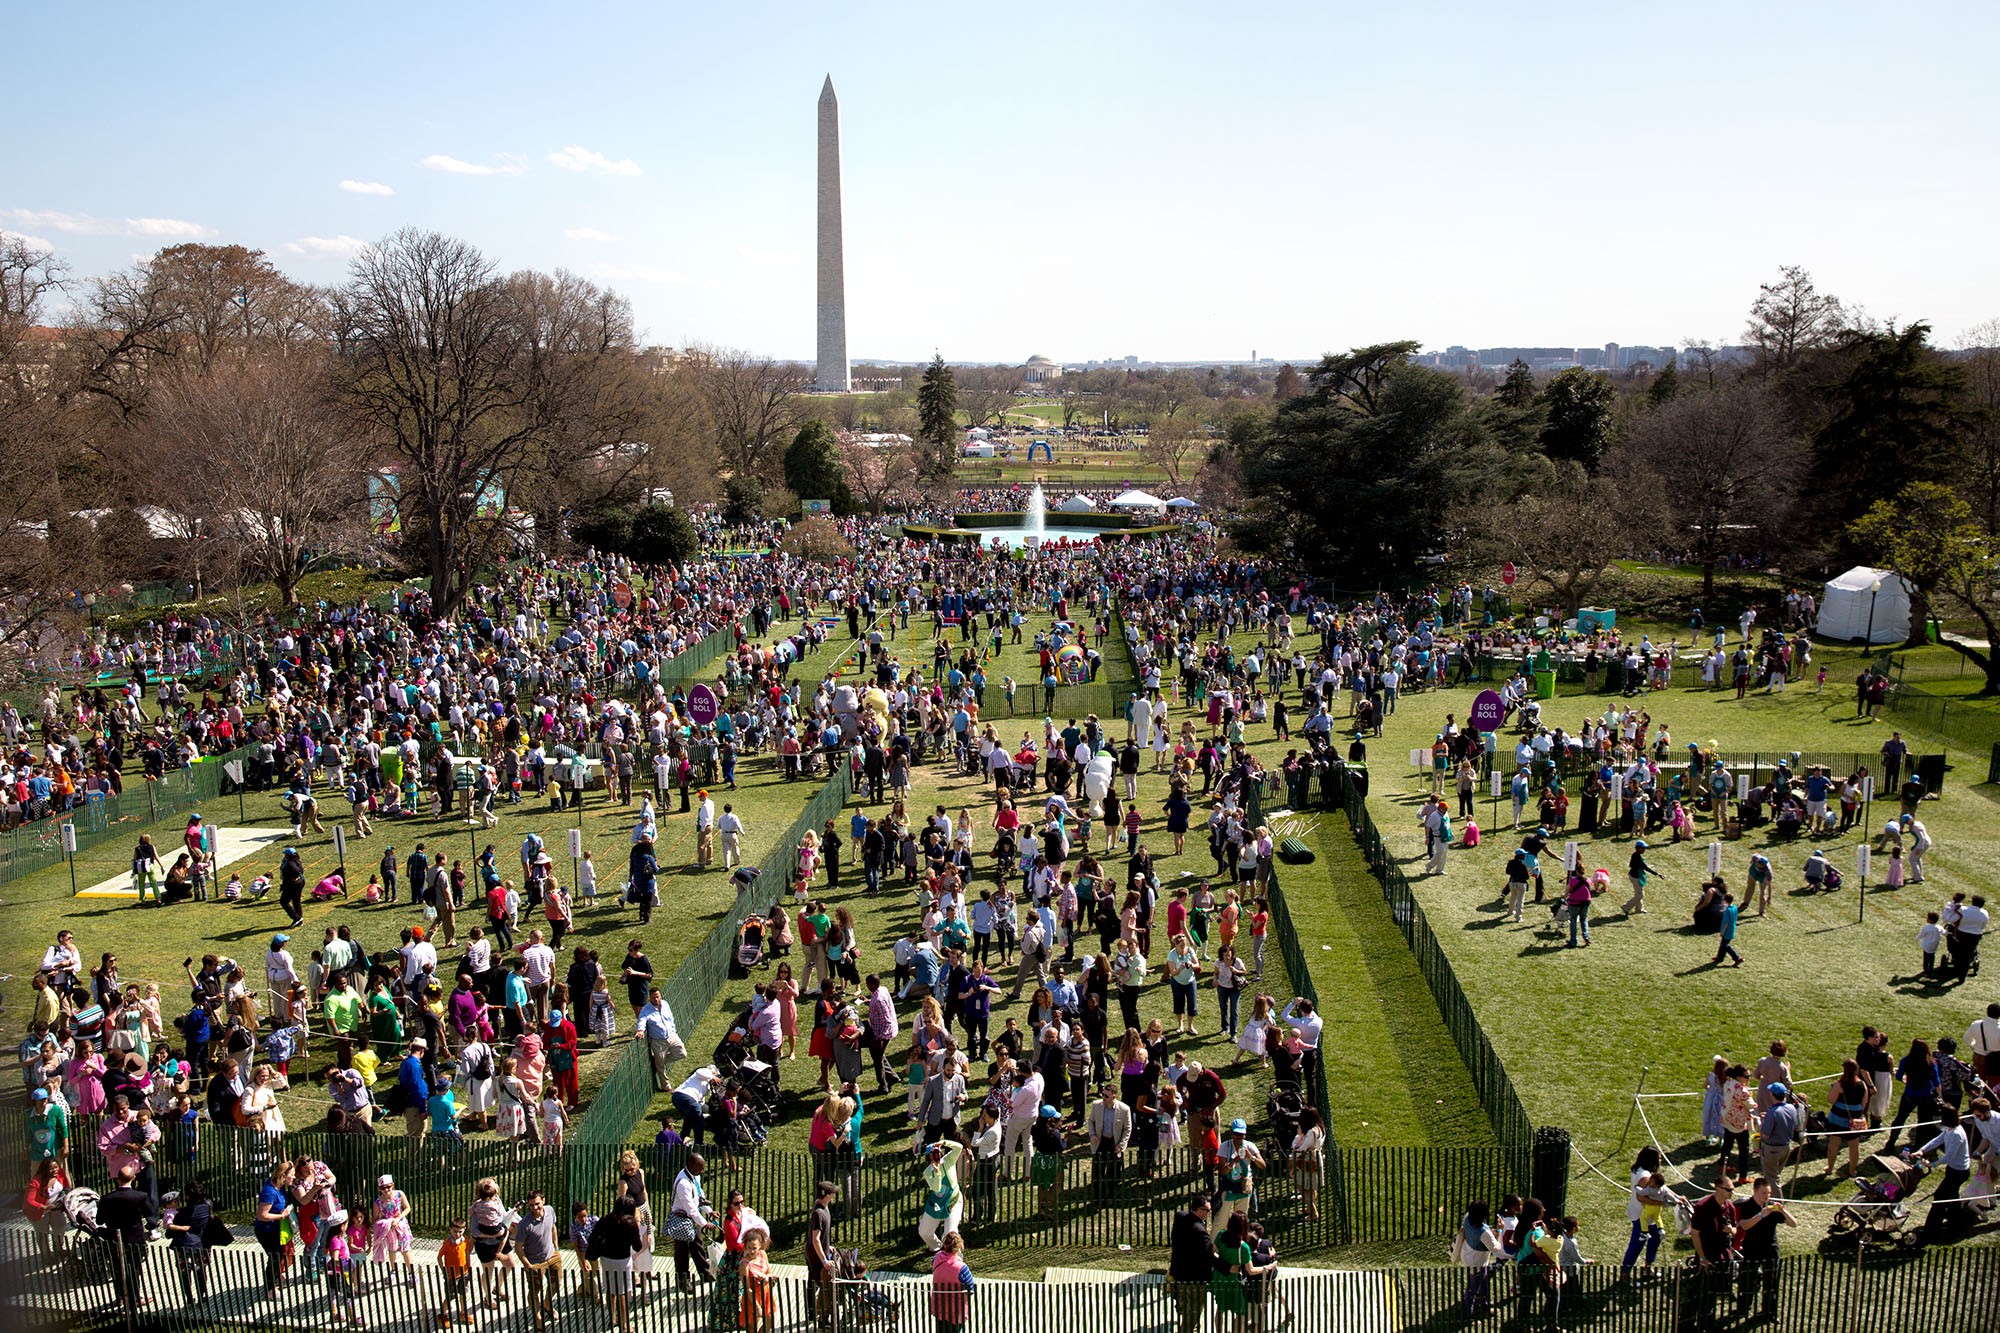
(1508, 574)
(703, 707)
(1487, 711)
(621, 594)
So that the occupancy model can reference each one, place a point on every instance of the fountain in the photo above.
(1036, 524)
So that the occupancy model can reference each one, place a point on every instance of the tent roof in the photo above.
(1861, 578)
(1138, 500)
(1182, 502)
(1076, 504)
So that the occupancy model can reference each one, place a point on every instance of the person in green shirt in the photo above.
(343, 1007)
(48, 1128)
(1232, 1260)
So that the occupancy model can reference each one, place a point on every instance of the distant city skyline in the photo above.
(1171, 184)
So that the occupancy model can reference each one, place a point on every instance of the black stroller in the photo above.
(1286, 1107)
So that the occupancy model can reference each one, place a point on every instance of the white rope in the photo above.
(1795, 1083)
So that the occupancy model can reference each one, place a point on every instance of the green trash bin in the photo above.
(1545, 684)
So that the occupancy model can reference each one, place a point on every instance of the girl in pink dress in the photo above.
(786, 992)
(530, 1064)
(85, 1078)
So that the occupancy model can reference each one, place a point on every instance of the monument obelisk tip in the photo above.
(832, 372)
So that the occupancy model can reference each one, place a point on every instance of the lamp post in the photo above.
(1868, 639)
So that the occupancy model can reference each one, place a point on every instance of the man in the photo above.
(538, 966)
(688, 1203)
(1023, 1105)
(1893, 751)
(1954, 1153)
(1973, 919)
(1757, 1223)
(1715, 1219)
(1034, 955)
(1309, 1025)
(820, 1267)
(883, 1027)
(1878, 1067)
(1191, 1263)
(48, 1129)
(704, 829)
(535, 1236)
(1780, 1131)
(415, 1088)
(730, 826)
(943, 1096)
(128, 1214)
(1239, 1160)
(1108, 1129)
(1982, 1042)
(663, 1041)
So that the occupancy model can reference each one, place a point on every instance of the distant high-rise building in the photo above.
(832, 372)
(1611, 361)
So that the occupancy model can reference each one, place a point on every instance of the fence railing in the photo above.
(37, 845)
(98, 1284)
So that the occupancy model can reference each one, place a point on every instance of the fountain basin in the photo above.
(1013, 529)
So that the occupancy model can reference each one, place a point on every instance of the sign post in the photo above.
(69, 854)
(1714, 859)
(703, 707)
(340, 849)
(575, 854)
(1864, 856)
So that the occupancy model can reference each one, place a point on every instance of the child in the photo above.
(1569, 1258)
(1929, 937)
(722, 1123)
(586, 880)
(914, 1078)
(454, 1258)
(554, 1119)
(603, 1017)
(581, 1222)
(343, 1259)
(1260, 927)
(756, 1268)
(233, 890)
(1893, 879)
(1819, 682)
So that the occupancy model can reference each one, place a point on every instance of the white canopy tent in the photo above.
(1076, 504)
(1138, 500)
(1865, 604)
(1182, 502)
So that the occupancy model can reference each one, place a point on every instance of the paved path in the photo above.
(231, 845)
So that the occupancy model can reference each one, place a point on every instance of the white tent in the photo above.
(1138, 500)
(1182, 502)
(1076, 504)
(1864, 603)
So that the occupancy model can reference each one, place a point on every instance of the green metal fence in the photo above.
(38, 845)
(104, 1286)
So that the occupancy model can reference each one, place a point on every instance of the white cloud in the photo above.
(166, 227)
(588, 234)
(641, 273)
(32, 242)
(366, 187)
(83, 224)
(575, 158)
(767, 258)
(327, 247)
(460, 167)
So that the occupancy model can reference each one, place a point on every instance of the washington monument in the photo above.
(832, 375)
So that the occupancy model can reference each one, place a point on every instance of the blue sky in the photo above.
(1174, 181)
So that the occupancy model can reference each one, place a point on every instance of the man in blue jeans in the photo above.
(691, 1097)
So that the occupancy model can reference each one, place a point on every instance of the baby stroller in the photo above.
(737, 1045)
(861, 1302)
(757, 1090)
(90, 1258)
(1557, 923)
(1880, 1210)
(750, 950)
(1285, 1106)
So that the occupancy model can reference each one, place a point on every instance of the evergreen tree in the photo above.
(813, 469)
(937, 419)
(1518, 389)
(1664, 386)
(1899, 414)
(1579, 422)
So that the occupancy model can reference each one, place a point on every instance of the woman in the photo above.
(612, 1243)
(492, 1240)
(187, 1232)
(637, 973)
(786, 992)
(1183, 975)
(1232, 1264)
(1229, 977)
(631, 1189)
(1739, 1117)
(1711, 1101)
(274, 1209)
(951, 1285)
(1642, 1210)
(1475, 1249)
(83, 1080)
(1918, 1074)
(41, 1203)
(1772, 1068)
(726, 1301)
(826, 1009)
(512, 1098)
(560, 1039)
(1308, 1145)
(1846, 1116)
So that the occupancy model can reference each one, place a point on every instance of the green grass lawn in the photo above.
(1578, 1027)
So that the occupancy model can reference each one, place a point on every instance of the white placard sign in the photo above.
(576, 844)
(1715, 858)
(1864, 857)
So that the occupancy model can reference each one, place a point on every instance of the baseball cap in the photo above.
(1640, 843)
(39, 1095)
(386, 1180)
(280, 939)
(1779, 1091)
(1050, 1112)
(1239, 1126)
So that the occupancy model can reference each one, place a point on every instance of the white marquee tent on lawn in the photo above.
(1864, 603)
(1138, 500)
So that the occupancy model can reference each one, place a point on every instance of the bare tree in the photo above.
(752, 405)
(1722, 457)
(1981, 348)
(46, 559)
(1565, 533)
(258, 456)
(443, 370)
(1178, 444)
(1790, 317)
(882, 476)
